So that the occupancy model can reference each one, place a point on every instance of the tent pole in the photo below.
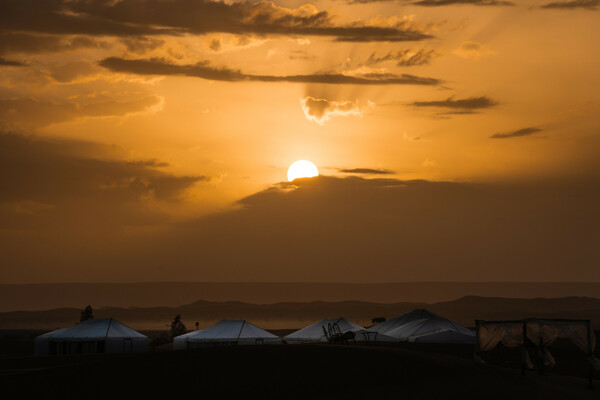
(476, 348)
(524, 349)
(542, 354)
(591, 352)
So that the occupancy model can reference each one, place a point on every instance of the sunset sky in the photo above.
(149, 140)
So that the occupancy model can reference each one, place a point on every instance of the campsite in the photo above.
(297, 199)
(418, 354)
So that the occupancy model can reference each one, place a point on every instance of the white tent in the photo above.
(421, 325)
(180, 342)
(91, 336)
(314, 333)
(228, 332)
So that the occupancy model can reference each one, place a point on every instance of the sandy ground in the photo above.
(280, 372)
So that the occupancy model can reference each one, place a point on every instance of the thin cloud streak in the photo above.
(366, 171)
(471, 103)
(585, 4)
(11, 63)
(440, 3)
(519, 133)
(204, 71)
(404, 58)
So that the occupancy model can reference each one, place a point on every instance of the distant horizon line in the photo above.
(299, 283)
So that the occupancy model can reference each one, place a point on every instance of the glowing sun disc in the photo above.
(302, 169)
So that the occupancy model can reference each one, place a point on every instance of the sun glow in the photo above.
(302, 169)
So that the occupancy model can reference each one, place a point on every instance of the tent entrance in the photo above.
(127, 345)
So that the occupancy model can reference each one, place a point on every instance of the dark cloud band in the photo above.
(177, 17)
(10, 63)
(471, 103)
(204, 71)
(365, 171)
(519, 133)
(574, 4)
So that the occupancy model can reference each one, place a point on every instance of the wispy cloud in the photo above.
(585, 4)
(438, 3)
(10, 63)
(473, 50)
(470, 103)
(203, 70)
(28, 113)
(403, 58)
(366, 171)
(519, 133)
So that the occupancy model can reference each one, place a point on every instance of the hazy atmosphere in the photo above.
(149, 140)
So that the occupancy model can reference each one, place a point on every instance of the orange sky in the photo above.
(148, 139)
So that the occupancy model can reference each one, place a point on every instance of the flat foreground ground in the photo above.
(279, 372)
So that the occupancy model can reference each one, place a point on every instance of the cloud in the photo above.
(459, 106)
(78, 183)
(314, 230)
(470, 103)
(404, 58)
(202, 70)
(472, 50)
(368, 1)
(387, 229)
(406, 36)
(27, 113)
(215, 45)
(72, 71)
(366, 171)
(177, 17)
(438, 3)
(320, 110)
(62, 17)
(142, 44)
(433, 3)
(585, 4)
(30, 43)
(10, 63)
(300, 55)
(519, 133)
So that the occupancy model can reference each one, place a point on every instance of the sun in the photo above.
(302, 169)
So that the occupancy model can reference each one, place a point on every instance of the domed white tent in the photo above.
(91, 336)
(228, 332)
(180, 342)
(314, 333)
(421, 325)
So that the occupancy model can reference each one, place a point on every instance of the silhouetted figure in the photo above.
(86, 313)
(177, 327)
(197, 325)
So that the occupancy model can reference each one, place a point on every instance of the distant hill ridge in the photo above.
(463, 310)
(172, 294)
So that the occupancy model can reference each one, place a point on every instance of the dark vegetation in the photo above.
(177, 327)
(86, 313)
